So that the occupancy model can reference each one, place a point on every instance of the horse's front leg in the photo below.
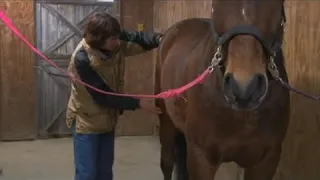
(266, 169)
(168, 135)
(198, 166)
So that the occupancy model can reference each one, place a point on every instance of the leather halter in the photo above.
(270, 48)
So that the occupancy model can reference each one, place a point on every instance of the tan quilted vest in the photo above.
(90, 117)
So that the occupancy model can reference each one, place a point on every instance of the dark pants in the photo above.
(94, 156)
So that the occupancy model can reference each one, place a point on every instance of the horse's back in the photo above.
(184, 35)
(185, 41)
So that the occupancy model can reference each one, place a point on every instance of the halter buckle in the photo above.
(217, 57)
(273, 69)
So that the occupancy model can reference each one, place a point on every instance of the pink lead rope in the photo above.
(164, 95)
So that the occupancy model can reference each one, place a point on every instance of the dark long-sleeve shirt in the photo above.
(88, 75)
(147, 40)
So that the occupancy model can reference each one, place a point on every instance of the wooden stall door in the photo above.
(59, 30)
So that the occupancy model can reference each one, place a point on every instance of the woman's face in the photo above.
(112, 43)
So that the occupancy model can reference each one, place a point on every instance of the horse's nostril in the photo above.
(261, 82)
(253, 90)
(230, 87)
(259, 87)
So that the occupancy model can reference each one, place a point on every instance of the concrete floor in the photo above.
(137, 158)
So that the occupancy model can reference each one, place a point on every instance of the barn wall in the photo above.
(300, 159)
(17, 79)
(139, 71)
(167, 13)
(23, 125)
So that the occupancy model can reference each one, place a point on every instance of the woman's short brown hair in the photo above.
(99, 28)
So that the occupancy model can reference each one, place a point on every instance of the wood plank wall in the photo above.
(139, 68)
(300, 159)
(17, 79)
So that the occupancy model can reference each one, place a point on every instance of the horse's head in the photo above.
(249, 33)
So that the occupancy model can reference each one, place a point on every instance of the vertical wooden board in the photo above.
(300, 159)
(2, 26)
(166, 13)
(138, 70)
(18, 97)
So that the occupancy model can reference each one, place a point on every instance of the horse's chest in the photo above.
(177, 109)
(228, 138)
(243, 153)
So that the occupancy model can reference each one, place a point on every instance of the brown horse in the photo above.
(240, 113)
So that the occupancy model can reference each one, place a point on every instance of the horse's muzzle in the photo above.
(245, 95)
